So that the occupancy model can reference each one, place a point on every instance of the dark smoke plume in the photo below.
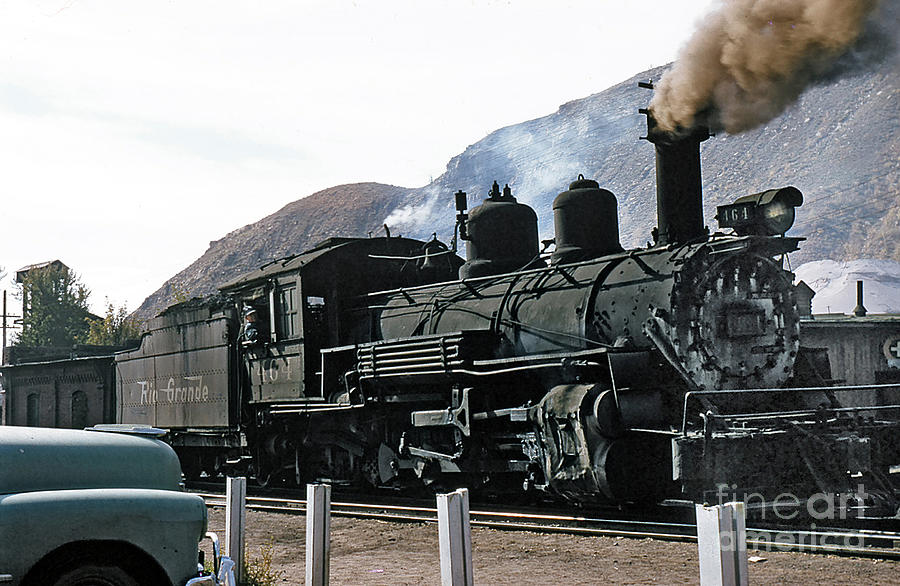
(750, 59)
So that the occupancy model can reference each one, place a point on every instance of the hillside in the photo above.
(337, 211)
(840, 145)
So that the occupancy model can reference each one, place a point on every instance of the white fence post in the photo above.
(235, 517)
(318, 533)
(455, 538)
(722, 542)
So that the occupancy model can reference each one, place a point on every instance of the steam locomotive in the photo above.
(590, 372)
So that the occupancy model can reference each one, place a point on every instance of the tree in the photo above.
(115, 329)
(54, 308)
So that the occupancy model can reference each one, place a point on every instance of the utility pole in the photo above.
(3, 355)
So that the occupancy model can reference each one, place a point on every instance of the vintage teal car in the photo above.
(82, 508)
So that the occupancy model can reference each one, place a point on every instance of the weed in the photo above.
(258, 569)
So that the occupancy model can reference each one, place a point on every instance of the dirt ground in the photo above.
(380, 552)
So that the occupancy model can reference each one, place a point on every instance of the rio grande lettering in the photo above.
(193, 391)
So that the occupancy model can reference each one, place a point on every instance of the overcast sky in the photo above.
(133, 133)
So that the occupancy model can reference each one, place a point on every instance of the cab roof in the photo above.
(336, 253)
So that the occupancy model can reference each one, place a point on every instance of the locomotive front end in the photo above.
(731, 330)
(732, 319)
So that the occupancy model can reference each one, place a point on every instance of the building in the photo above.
(22, 273)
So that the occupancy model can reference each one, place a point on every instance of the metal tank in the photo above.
(586, 222)
(502, 236)
(181, 375)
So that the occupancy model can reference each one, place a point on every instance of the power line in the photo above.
(857, 206)
(831, 194)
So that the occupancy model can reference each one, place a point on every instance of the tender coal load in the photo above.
(586, 221)
(502, 236)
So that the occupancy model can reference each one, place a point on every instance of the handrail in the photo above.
(744, 392)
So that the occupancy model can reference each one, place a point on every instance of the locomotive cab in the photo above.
(307, 299)
(310, 301)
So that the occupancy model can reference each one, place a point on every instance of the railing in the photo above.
(433, 355)
(818, 413)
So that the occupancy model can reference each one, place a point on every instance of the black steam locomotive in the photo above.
(590, 372)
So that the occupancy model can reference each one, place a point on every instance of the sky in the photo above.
(134, 133)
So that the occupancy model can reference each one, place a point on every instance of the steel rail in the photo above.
(886, 544)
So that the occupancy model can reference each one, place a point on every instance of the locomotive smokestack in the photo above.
(679, 201)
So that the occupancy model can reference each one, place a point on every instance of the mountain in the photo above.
(839, 144)
(337, 211)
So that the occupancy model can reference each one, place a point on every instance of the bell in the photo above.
(429, 263)
(432, 249)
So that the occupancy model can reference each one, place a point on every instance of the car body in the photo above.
(80, 507)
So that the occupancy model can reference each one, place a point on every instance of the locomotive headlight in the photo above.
(769, 213)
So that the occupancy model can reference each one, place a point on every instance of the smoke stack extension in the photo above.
(679, 198)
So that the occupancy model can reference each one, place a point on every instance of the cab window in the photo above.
(286, 325)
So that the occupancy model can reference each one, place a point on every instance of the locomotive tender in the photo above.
(593, 373)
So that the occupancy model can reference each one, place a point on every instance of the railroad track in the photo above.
(860, 543)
